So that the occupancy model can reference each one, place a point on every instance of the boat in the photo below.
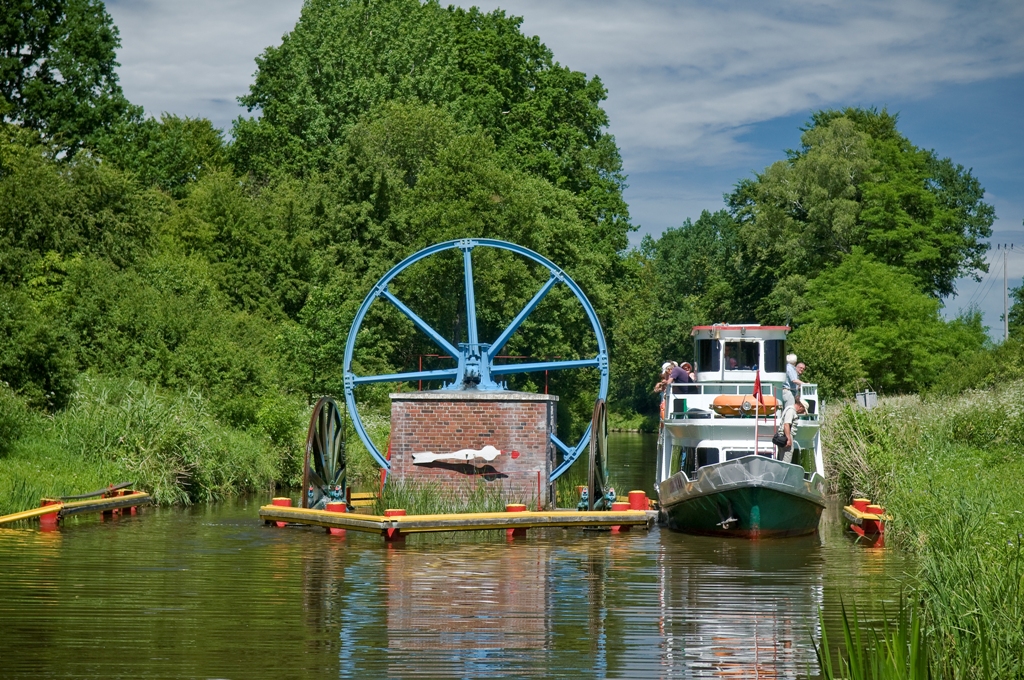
(716, 468)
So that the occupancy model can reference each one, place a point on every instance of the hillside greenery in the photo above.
(154, 261)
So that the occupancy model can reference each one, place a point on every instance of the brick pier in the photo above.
(518, 423)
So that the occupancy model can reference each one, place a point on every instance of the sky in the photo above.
(700, 94)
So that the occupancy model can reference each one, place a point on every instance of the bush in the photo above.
(34, 358)
(831, 360)
(14, 417)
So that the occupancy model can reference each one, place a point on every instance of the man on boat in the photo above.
(788, 424)
(791, 388)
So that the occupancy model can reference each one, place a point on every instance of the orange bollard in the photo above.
(338, 506)
(394, 534)
(517, 531)
(619, 506)
(49, 521)
(282, 502)
(637, 500)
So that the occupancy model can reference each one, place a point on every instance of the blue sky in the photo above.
(700, 94)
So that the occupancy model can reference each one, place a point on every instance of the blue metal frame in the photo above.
(475, 359)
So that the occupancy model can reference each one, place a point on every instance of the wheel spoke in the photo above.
(467, 265)
(516, 322)
(506, 369)
(421, 324)
(440, 374)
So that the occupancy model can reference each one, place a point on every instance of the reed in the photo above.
(899, 652)
(431, 498)
(120, 430)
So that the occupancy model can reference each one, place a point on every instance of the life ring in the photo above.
(732, 405)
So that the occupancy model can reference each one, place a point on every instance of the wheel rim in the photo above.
(475, 359)
(597, 476)
(323, 475)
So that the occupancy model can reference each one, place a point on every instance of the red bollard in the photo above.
(637, 500)
(619, 506)
(338, 506)
(861, 504)
(281, 502)
(394, 534)
(129, 510)
(517, 531)
(50, 520)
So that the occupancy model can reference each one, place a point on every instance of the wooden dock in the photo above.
(393, 525)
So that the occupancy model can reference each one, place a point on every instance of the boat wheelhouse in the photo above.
(717, 472)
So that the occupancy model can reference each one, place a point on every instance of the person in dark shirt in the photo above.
(679, 375)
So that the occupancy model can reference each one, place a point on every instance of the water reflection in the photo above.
(210, 592)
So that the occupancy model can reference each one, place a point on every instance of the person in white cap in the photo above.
(791, 387)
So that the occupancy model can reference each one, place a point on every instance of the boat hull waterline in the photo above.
(750, 497)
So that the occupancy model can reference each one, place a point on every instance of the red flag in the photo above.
(757, 388)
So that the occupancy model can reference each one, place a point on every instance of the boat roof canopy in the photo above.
(739, 330)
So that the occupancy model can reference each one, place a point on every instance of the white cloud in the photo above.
(685, 78)
(194, 58)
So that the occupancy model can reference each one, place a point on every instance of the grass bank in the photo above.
(949, 469)
(121, 430)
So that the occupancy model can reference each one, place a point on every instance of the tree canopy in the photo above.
(346, 57)
(57, 70)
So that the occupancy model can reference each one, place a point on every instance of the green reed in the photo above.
(899, 652)
(431, 498)
(120, 430)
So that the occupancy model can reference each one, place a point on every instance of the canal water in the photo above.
(210, 592)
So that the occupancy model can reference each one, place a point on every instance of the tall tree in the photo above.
(345, 57)
(57, 61)
(856, 182)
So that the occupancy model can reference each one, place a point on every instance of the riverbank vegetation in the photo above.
(947, 469)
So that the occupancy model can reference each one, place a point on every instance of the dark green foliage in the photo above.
(80, 206)
(857, 182)
(14, 418)
(833, 363)
(171, 153)
(895, 329)
(57, 70)
(35, 359)
(344, 59)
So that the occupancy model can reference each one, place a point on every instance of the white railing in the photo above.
(687, 391)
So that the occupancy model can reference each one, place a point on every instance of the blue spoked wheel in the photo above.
(476, 366)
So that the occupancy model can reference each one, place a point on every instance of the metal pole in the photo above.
(1006, 303)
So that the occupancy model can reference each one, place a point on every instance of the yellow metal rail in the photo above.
(479, 521)
(63, 509)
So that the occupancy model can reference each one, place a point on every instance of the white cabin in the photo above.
(729, 358)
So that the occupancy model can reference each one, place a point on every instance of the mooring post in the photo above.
(638, 500)
(517, 531)
(337, 506)
(394, 535)
(619, 506)
(282, 502)
(50, 520)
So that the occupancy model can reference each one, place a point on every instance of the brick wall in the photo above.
(444, 422)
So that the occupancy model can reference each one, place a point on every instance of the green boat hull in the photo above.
(748, 512)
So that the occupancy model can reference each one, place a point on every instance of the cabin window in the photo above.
(740, 356)
(706, 456)
(707, 356)
(775, 356)
(733, 455)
